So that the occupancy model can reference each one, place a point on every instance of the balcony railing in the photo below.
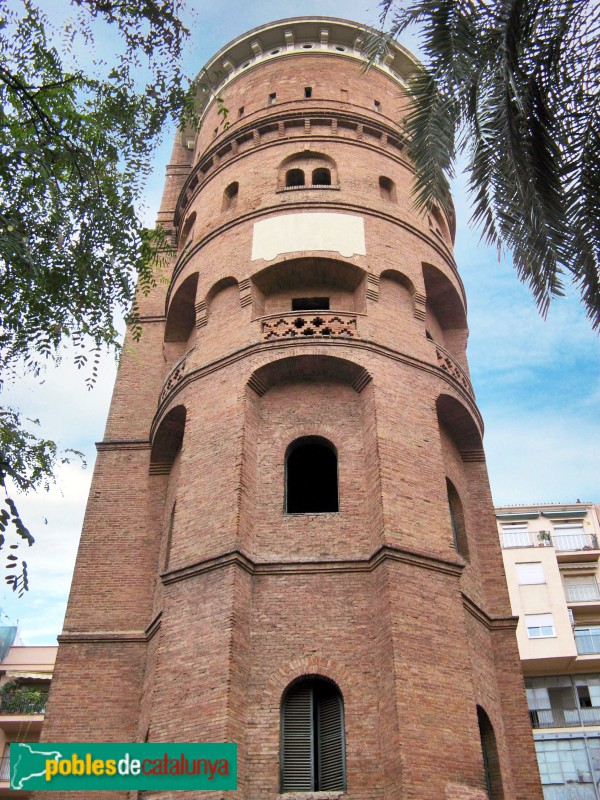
(564, 717)
(563, 542)
(20, 704)
(582, 592)
(575, 541)
(587, 643)
(5, 768)
(317, 324)
(522, 539)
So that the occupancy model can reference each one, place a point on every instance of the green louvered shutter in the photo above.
(330, 731)
(298, 746)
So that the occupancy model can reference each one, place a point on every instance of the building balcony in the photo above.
(582, 593)
(310, 324)
(23, 704)
(564, 717)
(5, 768)
(578, 546)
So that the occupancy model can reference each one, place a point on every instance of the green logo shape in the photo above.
(106, 766)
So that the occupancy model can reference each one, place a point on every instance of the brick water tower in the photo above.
(290, 541)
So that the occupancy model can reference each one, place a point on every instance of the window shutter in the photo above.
(297, 772)
(529, 573)
(330, 730)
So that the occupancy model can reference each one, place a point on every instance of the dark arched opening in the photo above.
(387, 188)
(311, 477)
(491, 762)
(312, 737)
(294, 177)
(321, 177)
(457, 520)
(230, 196)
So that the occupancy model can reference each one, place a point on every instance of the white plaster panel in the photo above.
(292, 233)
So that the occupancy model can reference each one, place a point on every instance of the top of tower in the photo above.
(297, 36)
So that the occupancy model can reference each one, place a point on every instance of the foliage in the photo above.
(75, 142)
(515, 86)
(16, 699)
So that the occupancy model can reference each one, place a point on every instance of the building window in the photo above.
(241, 111)
(230, 196)
(587, 639)
(294, 177)
(321, 177)
(272, 98)
(311, 479)
(310, 304)
(377, 105)
(516, 535)
(308, 92)
(566, 762)
(530, 573)
(539, 626)
(387, 188)
(312, 738)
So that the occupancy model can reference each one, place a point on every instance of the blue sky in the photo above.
(537, 382)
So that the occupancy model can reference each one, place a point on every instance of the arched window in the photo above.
(457, 520)
(188, 229)
(321, 177)
(311, 479)
(491, 763)
(294, 177)
(312, 738)
(230, 196)
(387, 188)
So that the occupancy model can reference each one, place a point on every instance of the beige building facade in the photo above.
(551, 557)
(25, 676)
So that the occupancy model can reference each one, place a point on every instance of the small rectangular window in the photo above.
(308, 91)
(376, 105)
(530, 573)
(310, 304)
(539, 626)
(241, 111)
(272, 98)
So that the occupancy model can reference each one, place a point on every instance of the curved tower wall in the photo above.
(197, 600)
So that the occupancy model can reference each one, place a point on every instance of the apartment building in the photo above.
(25, 675)
(551, 558)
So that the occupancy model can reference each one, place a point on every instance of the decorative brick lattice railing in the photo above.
(449, 365)
(173, 377)
(311, 324)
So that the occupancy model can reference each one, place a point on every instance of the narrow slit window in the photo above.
(230, 196)
(387, 189)
(308, 92)
(241, 111)
(272, 98)
(377, 105)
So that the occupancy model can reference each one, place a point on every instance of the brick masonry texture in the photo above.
(196, 599)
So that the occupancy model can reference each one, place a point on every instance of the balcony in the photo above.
(582, 592)
(568, 546)
(564, 717)
(310, 324)
(569, 542)
(23, 703)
